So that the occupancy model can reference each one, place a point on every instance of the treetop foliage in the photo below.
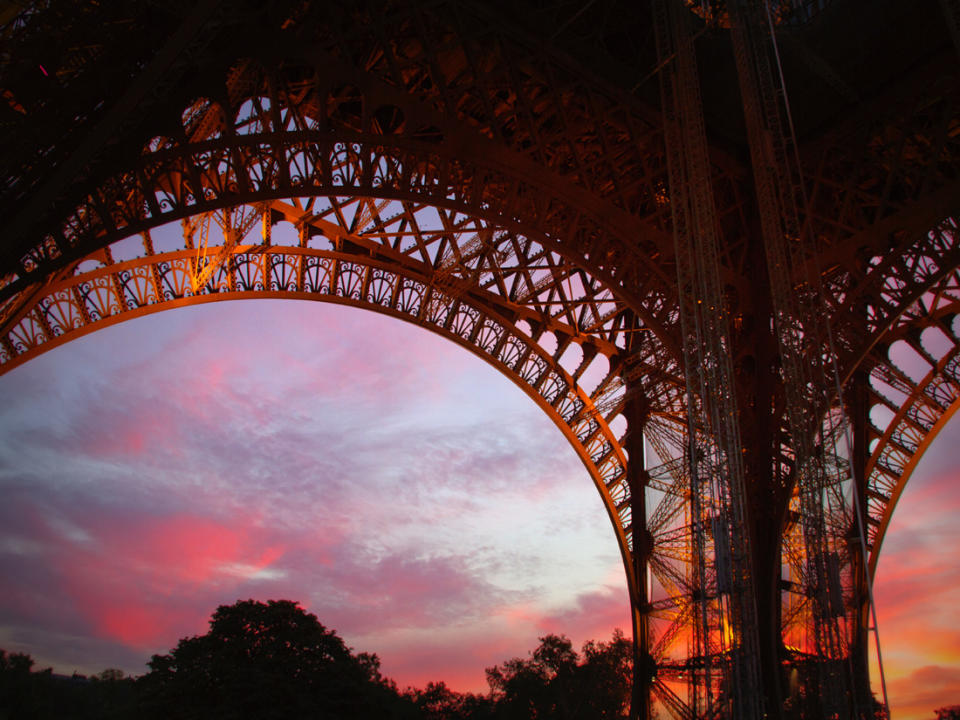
(266, 660)
(276, 660)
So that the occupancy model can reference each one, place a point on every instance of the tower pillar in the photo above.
(637, 413)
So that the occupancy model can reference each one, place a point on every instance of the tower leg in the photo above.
(644, 667)
(858, 408)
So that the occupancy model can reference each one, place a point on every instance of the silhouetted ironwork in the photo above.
(611, 203)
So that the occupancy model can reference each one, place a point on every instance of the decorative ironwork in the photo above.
(508, 176)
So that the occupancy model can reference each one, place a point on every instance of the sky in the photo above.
(394, 484)
(397, 486)
(917, 586)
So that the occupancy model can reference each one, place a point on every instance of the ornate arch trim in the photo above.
(87, 301)
(924, 408)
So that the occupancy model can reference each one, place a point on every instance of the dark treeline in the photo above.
(275, 660)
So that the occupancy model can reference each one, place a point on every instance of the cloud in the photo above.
(137, 578)
(142, 578)
(399, 488)
(593, 615)
(917, 695)
(459, 653)
(458, 656)
(360, 594)
(917, 587)
(141, 558)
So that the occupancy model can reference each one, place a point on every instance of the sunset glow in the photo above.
(394, 484)
(398, 487)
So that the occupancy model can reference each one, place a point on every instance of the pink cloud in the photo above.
(126, 432)
(594, 616)
(398, 592)
(916, 589)
(512, 630)
(917, 695)
(141, 580)
(136, 626)
(144, 628)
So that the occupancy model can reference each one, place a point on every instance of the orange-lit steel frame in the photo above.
(525, 180)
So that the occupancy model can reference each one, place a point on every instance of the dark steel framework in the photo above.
(609, 202)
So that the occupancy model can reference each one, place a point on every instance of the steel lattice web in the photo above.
(500, 176)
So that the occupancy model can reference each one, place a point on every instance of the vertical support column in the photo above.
(723, 666)
(858, 407)
(266, 225)
(637, 413)
(803, 336)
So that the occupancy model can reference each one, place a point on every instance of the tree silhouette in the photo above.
(267, 660)
(20, 689)
(605, 677)
(275, 660)
(536, 687)
(438, 702)
(29, 694)
(555, 683)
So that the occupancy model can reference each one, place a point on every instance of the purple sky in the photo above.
(396, 485)
(390, 481)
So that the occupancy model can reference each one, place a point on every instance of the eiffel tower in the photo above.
(715, 242)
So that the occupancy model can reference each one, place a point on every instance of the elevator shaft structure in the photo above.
(805, 348)
(725, 628)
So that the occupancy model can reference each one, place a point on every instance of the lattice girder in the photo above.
(463, 166)
(875, 299)
(882, 183)
(888, 165)
(179, 181)
(914, 391)
(113, 292)
(442, 154)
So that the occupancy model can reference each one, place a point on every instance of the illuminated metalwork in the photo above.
(544, 185)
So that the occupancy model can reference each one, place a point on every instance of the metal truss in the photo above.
(505, 174)
(335, 262)
(725, 676)
(914, 389)
(389, 125)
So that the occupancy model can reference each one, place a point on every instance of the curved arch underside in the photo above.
(914, 389)
(114, 292)
(466, 169)
(329, 263)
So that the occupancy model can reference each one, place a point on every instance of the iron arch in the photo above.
(330, 263)
(913, 395)
(549, 188)
(588, 268)
(99, 293)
